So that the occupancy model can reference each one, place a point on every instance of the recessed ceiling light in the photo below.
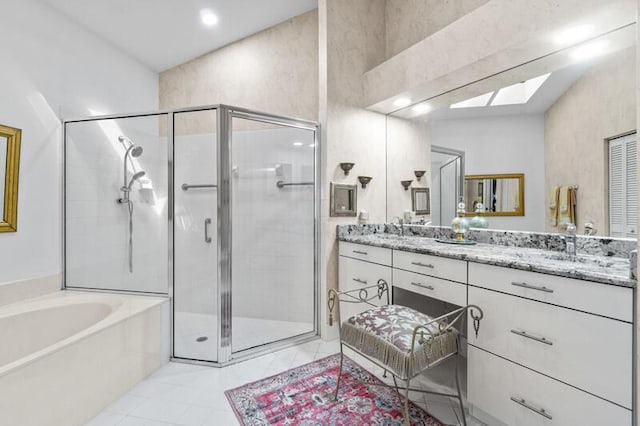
(402, 102)
(588, 51)
(421, 108)
(573, 35)
(297, 144)
(208, 17)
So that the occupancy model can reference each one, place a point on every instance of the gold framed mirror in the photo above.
(9, 168)
(500, 194)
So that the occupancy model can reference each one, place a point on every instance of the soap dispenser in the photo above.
(460, 224)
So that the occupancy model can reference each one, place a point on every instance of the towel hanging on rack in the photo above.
(553, 205)
(566, 206)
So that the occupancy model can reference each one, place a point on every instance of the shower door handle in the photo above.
(207, 238)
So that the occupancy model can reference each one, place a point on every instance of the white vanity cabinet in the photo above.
(564, 346)
(550, 350)
(362, 266)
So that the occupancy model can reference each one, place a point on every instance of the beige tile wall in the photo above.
(600, 105)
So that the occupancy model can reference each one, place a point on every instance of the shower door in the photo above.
(195, 295)
(272, 230)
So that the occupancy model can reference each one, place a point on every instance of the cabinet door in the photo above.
(372, 254)
(356, 274)
(435, 266)
(584, 350)
(601, 299)
(518, 396)
(449, 291)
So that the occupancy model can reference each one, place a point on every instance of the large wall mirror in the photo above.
(566, 121)
(9, 170)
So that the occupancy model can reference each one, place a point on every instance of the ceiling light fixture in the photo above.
(421, 108)
(208, 17)
(588, 51)
(297, 144)
(573, 35)
(402, 102)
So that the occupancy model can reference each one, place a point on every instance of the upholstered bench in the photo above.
(401, 340)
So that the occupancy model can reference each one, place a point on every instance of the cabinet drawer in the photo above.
(435, 266)
(586, 351)
(448, 291)
(601, 299)
(373, 254)
(355, 274)
(493, 382)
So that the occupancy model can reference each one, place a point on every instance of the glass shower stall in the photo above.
(216, 207)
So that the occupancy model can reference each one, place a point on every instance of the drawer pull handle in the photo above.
(424, 265)
(529, 336)
(533, 287)
(364, 253)
(428, 287)
(525, 404)
(358, 280)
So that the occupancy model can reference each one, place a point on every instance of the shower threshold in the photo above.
(196, 335)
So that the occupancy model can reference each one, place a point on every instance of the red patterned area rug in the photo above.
(303, 396)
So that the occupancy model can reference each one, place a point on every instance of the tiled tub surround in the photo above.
(549, 322)
(65, 356)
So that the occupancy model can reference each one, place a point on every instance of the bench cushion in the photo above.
(385, 333)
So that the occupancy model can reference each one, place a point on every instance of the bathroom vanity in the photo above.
(555, 344)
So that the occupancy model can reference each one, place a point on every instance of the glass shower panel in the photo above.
(195, 236)
(116, 233)
(272, 224)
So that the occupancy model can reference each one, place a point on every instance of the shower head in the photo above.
(136, 151)
(134, 178)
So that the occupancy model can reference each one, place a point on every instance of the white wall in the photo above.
(52, 69)
(510, 144)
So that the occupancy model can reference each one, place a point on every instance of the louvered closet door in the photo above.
(623, 186)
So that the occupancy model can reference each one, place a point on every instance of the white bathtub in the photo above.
(65, 356)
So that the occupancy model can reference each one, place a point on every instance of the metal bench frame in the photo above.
(421, 335)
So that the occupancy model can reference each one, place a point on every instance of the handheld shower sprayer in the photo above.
(134, 178)
(133, 151)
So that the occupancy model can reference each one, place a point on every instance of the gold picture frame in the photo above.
(519, 211)
(9, 222)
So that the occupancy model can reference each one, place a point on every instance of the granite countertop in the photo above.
(602, 269)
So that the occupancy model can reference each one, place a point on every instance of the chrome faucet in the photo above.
(570, 240)
(401, 223)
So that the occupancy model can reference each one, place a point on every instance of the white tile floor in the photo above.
(247, 332)
(183, 394)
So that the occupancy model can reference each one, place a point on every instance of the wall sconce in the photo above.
(346, 167)
(419, 174)
(406, 184)
(364, 180)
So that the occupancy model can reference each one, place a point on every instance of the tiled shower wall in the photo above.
(272, 228)
(96, 225)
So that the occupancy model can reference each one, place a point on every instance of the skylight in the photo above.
(516, 94)
(478, 101)
(519, 93)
